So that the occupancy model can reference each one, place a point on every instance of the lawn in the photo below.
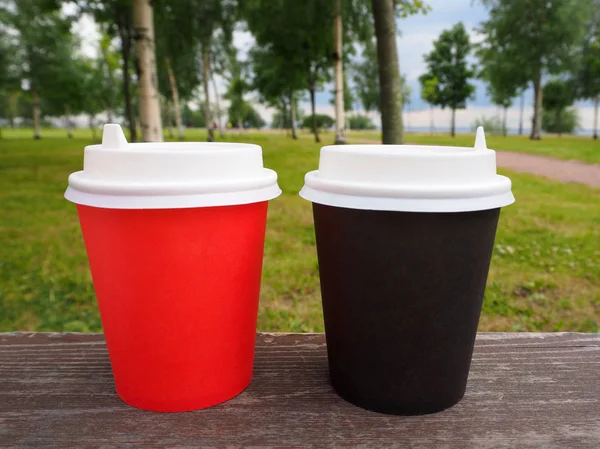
(545, 270)
(566, 147)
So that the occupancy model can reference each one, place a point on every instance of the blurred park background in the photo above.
(292, 76)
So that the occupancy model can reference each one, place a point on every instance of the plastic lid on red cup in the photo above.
(409, 178)
(122, 175)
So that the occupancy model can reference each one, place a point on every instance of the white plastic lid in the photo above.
(409, 178)
(121, 175)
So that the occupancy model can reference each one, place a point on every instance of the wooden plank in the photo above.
(525, 391)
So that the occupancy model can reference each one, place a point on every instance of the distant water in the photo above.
(511, 131)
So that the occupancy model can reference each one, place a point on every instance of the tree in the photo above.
(116, 19)
(9, 78)
(360, 122)
(252, 118)
(429, 94)
(504, 80)
(339, 73)
(108, 63)
(42, 52)
(534, 37)
(447, 63)
(569, 121)
(143, 27)
(277, 84)
(390, 92)
(300, 39)
(588, 75)
(558, 95)
(323, 121)
(390, 85)
(365, 75)
(177, 57)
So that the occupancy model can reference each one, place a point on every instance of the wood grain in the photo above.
(525, 391)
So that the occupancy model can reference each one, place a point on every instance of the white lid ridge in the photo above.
(164, 175)
(409, 178)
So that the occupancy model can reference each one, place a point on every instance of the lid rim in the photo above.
(176, 201)
(408, 204)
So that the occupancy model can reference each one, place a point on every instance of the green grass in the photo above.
(545, 270)
(566, 147)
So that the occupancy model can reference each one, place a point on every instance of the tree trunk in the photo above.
(293, 115)
(537, 109)
(123, 20)
(559, 121)
(143, 26)
(596, 101)
(390, 88)
(36, 114)
(92, 127)
(217, 105)
(521, 114)
(504, 128)
(176, 105)
(314, 118)
(339, 74)
(205, 78)
(168, 118)
(453, 123)
(109, 116)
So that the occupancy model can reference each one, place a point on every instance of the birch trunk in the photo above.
(36, 114)
(176, 106)
(453, 124)
(390, 87)
(537, 109)
(339, 74)
(217, 105)
(143, 26)
(504, 128)
(205, 78)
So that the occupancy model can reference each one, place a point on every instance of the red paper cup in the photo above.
(178, 295)
(176, 264)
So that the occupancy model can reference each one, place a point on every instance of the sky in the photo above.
(416, 36)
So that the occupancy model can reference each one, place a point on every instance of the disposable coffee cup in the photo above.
(175, 235)
(404, 240)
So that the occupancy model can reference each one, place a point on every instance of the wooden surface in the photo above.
(525, 391)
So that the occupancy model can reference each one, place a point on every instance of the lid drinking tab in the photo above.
(165, 175)
(410, 178)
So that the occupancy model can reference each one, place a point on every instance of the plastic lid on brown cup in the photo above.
(122, 175)
(409, 178)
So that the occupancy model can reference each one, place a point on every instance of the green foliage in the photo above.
(447, 63)
(429, 88)
(323, 121)
(193, 118)
(360, 122)
(560, 121)
(251, 118)
(492, 125)
(365, 77)
(558, 94)
(535, 35)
